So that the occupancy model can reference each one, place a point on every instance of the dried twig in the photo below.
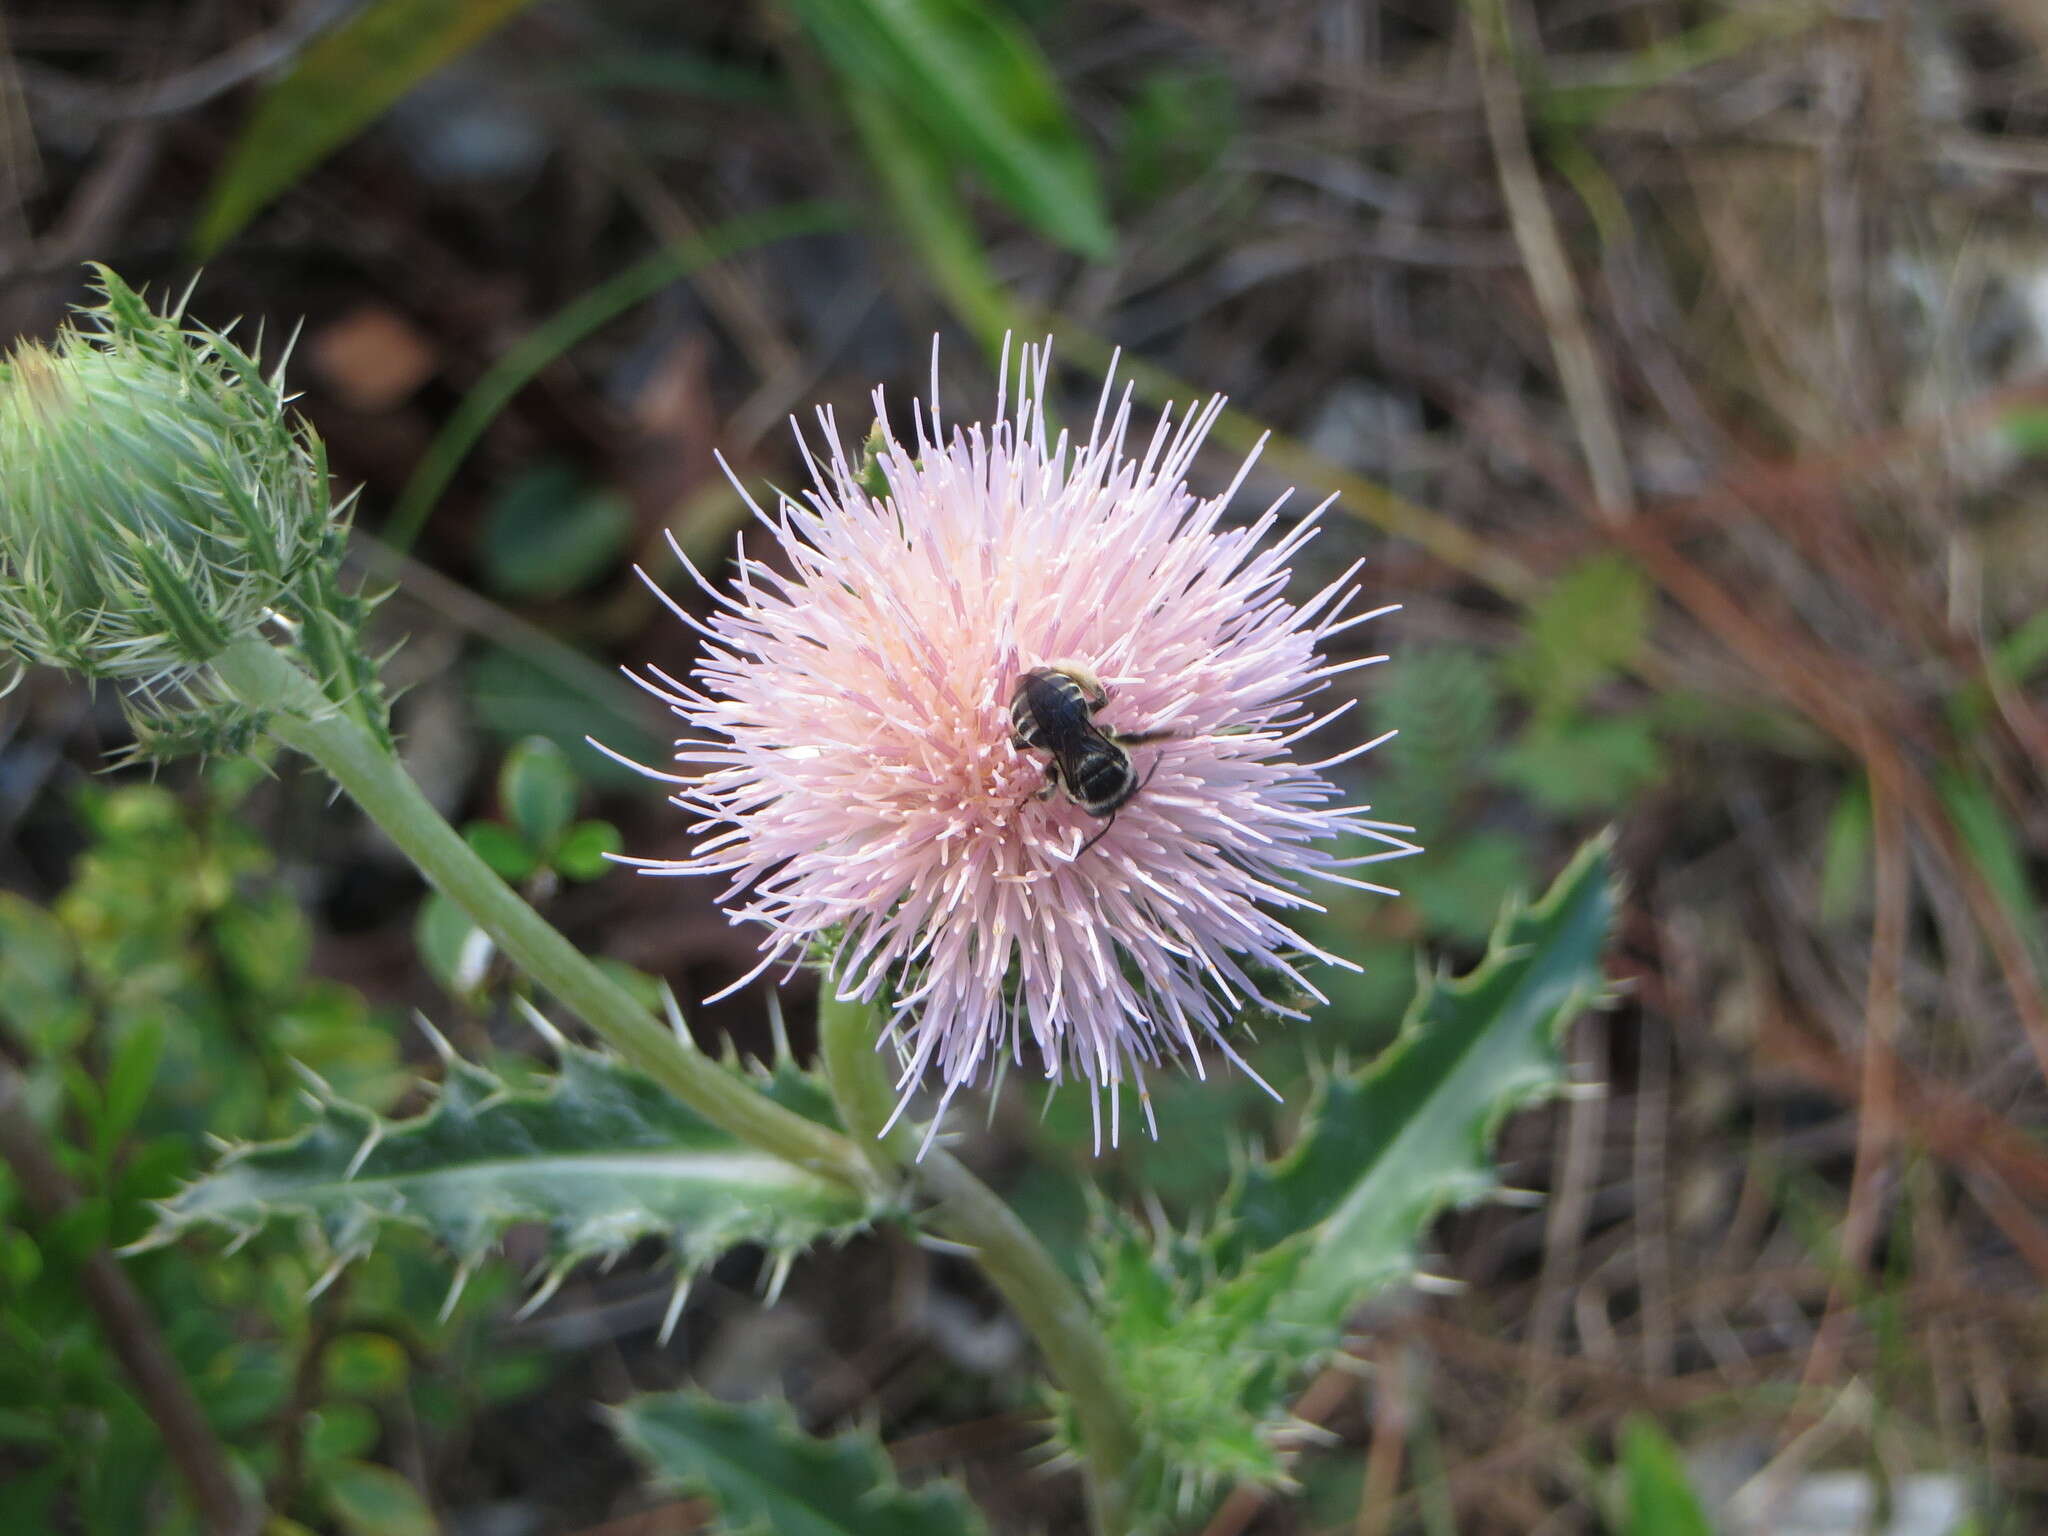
(1543, 254)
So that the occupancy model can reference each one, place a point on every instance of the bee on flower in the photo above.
(1012, 730)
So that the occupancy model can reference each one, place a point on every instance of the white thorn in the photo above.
(1522, 1199)
(558, 1041)
(362, 1152)
(435, 1038)
(674, 1314)
(333, 1274)
(779, 1276)
(1583, 1092)
(778, 1027)
(455, 1288)
(1436, 1285)
(674, 1010)
(539, 1298)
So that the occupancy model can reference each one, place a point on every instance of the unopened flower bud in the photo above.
(158, 499)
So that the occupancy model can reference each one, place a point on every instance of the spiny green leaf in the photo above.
(337, 88)
(1211, 1330)
(1391, 1146)
(982, 90)
(599, 1154)
(766, 1475)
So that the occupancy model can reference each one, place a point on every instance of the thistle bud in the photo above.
(158, 502)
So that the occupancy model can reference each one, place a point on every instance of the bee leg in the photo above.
(1052, 781)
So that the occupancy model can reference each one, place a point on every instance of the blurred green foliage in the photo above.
(160, 1000)
(333, 91)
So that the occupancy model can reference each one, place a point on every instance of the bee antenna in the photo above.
(1098, 837)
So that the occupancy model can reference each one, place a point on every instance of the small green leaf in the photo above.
(1446, 705)
(1589, 626)
(341, 1431)
(1661, 1501)
(20, 1259)
(265, 942)
(2025, 430)
(365, 1365)
(1845, 859)
(1394, 1144)
(981, 89)
(765, 1474)
(1572, 765)
(506, 1374)
(582, 854)
(549, 533)
(501, 848)
(39, 994)
(539, 791)
(129, 1075)
(370, 1500)
(334, 90)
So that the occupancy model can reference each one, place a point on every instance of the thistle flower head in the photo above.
(859, 783)
(157, 500)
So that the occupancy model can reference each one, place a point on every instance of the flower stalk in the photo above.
(1046, 1302)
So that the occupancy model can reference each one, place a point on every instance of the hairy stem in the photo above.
(301, 717)
(1048, 1304)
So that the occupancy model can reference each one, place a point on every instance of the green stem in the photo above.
(1049, 1305)
(303, 718)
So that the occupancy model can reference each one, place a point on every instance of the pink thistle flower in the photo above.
(859, 785)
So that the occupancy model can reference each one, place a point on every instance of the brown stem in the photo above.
(128, 1327)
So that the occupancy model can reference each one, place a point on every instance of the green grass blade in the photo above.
(765, 1474)
(1659, 1498)
(982, 90)
(930, 214)
(569, 325)
(337, 88)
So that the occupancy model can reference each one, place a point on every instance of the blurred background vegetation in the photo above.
(1682, 367)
